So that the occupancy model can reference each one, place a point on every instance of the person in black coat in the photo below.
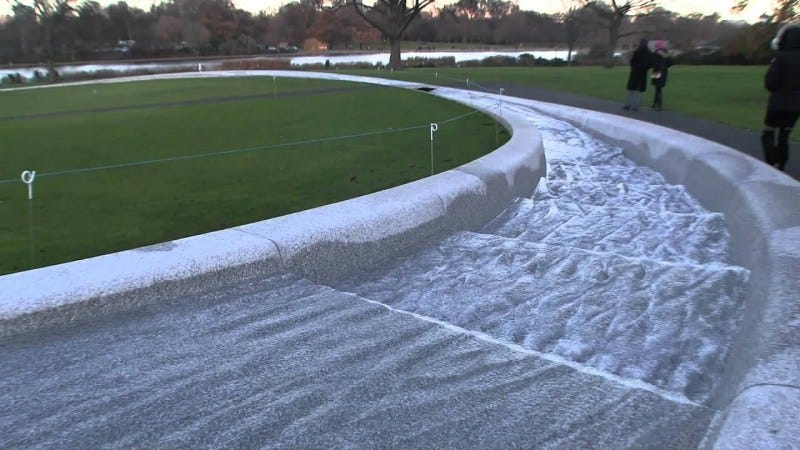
(641, 60)
(783, 83)
(661, 65)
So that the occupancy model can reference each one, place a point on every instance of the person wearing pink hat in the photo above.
(661, 64)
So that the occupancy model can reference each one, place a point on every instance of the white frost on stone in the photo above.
(634, 282)
(54, 286)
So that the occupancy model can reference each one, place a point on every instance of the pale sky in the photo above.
(723, 7)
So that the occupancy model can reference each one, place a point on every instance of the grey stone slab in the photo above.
(760, 204)
(681, 238)
(669, 325)
(612, 174)
(763, 417)
(285, 363)
(664, 198)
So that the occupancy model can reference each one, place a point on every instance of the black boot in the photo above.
(782, 151)
(768, 144)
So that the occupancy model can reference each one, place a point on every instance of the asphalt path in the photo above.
(746, 141)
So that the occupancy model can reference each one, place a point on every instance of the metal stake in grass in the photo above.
(502, 91)
(434, 128)
(496, 134)
(274, 88)
(28, 177)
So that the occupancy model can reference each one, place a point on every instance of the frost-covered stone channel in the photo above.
(605, 266)
(597, 313)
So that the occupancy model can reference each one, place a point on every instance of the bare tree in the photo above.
(574, 27)
(25, 20)
(391, 18)
(50, 16)
(613, 16)
(785, 10)
(91, 23)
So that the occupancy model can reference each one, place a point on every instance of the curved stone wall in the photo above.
(321, 243)
(759, 397)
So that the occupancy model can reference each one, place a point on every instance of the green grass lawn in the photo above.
(732, 95)
(85, 214)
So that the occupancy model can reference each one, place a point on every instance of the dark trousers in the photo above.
(776, 154)
(658, 100)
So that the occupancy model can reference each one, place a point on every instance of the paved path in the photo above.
(745, 141)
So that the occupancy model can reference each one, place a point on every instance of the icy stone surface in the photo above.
(683, 238)
(667, 324)
(610, 174)
(665, 198)
(631, 279)
(286, 363)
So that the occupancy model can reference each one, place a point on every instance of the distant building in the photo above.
(124, 46)
(314, 45)
(707, 49)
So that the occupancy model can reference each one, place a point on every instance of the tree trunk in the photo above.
(613, 38)
(48, 46)
(569, 55)
(23, 42)
(394, 57)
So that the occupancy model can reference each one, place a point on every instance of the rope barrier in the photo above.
(239, 150)
(28, 176)
(469, 83)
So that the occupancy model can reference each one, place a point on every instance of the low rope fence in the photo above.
(32, 175)
(29, 176)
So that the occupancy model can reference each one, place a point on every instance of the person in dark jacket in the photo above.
(641, 60)
(661, 64)
(783, 83)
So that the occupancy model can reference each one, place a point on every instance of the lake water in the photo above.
(299, 61)
(383, 58)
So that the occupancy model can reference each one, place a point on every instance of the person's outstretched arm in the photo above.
(772, 80)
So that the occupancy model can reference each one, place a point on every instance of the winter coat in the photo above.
(783, 76)
(661, 64)
(640, 64)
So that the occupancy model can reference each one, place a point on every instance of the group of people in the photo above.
(641, 62)
(782, 81)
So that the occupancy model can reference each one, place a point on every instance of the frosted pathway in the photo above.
(606, 266)
(595, 314)
(283, 362)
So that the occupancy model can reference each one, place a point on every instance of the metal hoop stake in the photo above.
(27, 177)
(500, 107)
(434, 128)
(274, 88)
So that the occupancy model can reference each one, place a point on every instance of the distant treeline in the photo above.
(65, 31)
